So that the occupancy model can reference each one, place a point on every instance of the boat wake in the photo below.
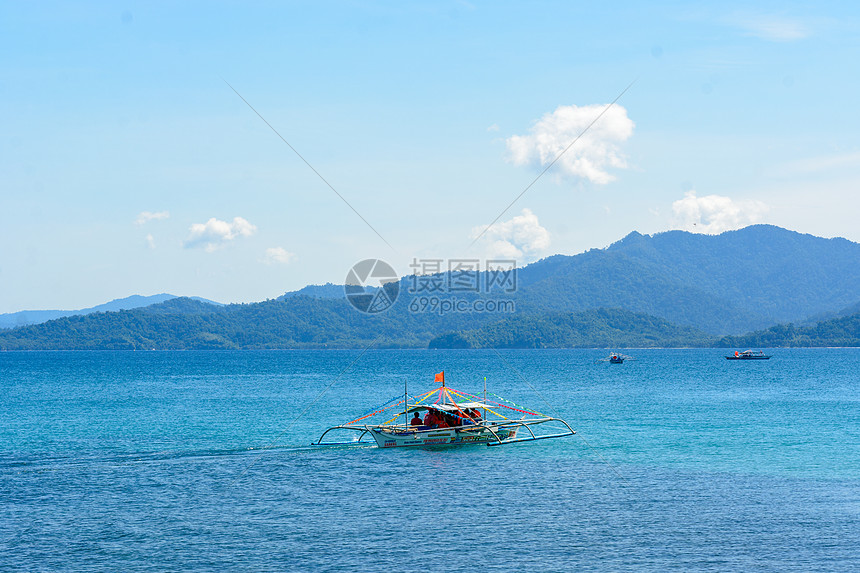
(42, 463)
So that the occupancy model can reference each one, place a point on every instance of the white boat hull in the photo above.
(386, 438)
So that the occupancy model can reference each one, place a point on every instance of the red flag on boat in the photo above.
(440, 377)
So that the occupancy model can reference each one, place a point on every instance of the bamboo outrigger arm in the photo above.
(532, 437)
(363, 429)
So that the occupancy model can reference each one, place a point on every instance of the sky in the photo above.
(139, 153)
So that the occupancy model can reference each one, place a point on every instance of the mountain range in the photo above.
(674, 288)
(28, 317)
(722, 284)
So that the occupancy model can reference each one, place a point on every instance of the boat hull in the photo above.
(440, 437)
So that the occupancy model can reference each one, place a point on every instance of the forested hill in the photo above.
(723, 284)
(615, 328)
(295, 322)
(597, 328)
(844, 331)
(26, 317)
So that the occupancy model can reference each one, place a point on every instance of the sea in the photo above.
(202, 461)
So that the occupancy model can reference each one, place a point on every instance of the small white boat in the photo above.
(453, 419)
(748, 355)
(616, 358)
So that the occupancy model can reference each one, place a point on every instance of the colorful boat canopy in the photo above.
(449, 407)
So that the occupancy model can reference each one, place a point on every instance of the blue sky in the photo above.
(129, 166)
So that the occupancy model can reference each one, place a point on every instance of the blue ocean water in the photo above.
(157, 461)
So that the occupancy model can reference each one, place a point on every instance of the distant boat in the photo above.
(616, 358)
(748, 355)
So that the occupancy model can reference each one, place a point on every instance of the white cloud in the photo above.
(591, 156)
(520, 237)
(278, 255)
(494, 127)
(150, 240)
(770, 27)
(214, 233)
(146, 216)
(714, 214)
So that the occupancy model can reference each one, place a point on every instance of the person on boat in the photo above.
(441, 422)
(417, 421)
(737, 354)
(465, 418)
(430, 418)
(476, 414)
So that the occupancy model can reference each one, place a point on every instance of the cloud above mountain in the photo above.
(590, 157)
(277, 256)
(521, 237)
(214, 233)
(713, 214)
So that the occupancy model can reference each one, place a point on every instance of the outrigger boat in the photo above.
(460, 419)
(748, 355)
